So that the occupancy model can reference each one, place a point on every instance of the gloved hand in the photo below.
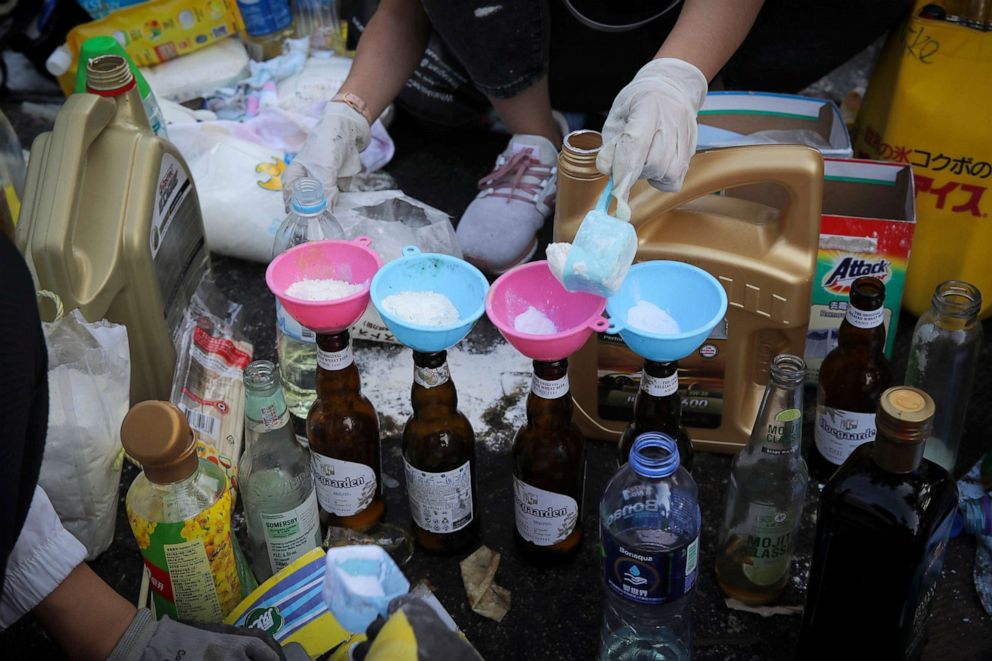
(413, 632)
(148, 640)
(331, 152)
(650, 132)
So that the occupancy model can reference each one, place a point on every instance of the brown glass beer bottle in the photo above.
(549, 465)
(439, 458)
(343, 430)
(852, 378)
(658, 407)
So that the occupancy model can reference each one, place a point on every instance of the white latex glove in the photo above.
(331, 151)
(650, 132)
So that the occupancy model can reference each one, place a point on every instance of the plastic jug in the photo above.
(110, 221)
(763, 254)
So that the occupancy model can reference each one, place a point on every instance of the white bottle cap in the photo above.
(59, 61)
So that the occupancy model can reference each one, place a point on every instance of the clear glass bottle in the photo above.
(268, 23)
(768, 480)
(179, 508)
(649, 536)
(942, 362)
(274, 474)
(881, 537)
(309, 219)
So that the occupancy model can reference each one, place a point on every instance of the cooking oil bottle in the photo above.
(110, 221)
(758, 237)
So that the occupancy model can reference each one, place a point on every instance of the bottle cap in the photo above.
(59, 61)
(654, 455)
(308, 196)
(905, 415)
(868, 293)
(157, 435)
(108, 75)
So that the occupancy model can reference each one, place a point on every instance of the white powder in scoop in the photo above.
(322, 290)
(648, 317)
(424, 308)
(534, 321)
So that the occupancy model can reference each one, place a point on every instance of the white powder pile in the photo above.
(534, 321)
(424, 308)
(322, 290)
(648, 317)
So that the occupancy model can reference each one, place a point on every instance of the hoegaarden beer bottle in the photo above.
(658, 407)
(852, 378)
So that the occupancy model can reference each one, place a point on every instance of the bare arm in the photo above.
(708, 32)
(84, 615)
(388, 52)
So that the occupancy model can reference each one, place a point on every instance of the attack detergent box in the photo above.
(866, 230)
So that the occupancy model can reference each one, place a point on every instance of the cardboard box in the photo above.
(867, 228)
(747, 113)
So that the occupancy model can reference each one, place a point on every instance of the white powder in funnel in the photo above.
(322, 290)
(424, 308)
(534, 321)
(648, 317)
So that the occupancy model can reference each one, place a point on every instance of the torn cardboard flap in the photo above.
(484, 596)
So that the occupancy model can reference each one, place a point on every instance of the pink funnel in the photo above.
(351, 261)
(574, 314)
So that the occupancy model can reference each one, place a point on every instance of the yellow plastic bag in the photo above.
(927, 105)
(155, 32)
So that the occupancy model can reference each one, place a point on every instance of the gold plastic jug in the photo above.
(110, 221)
(758, 237)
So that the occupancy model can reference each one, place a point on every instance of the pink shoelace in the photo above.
(510, 175)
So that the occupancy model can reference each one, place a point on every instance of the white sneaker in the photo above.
(499, 228)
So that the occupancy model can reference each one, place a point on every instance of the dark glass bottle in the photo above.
(549, 463)
(882, 530)
(852, 377)
(439, 457)
(658, 407)
(343, 430)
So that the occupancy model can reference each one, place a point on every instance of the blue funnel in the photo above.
(693, 298)
(461, 282)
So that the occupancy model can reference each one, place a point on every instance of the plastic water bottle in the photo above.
(649, 531)
(309, 219)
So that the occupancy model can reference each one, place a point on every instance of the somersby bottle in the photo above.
(658, 407)
(439, 460)
(275, 477)
(852, 377)
(881, 533)
(549, 464)
(768, 480)
(343, 431)
(179, 509)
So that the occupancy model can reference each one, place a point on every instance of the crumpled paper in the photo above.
(763, 611)
(484, 596)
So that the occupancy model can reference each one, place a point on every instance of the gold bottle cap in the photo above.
(157, 435)
(905, 414)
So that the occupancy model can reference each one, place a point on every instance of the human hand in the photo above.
(332, 150)
(650, 132)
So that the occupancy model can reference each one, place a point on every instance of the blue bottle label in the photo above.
(263, 17)
(649, 577)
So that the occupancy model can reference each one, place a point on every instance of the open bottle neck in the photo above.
(432, 384)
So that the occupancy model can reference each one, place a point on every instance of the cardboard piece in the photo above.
(726, 113)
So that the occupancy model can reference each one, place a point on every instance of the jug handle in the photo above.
(731, 167)
(82, 119)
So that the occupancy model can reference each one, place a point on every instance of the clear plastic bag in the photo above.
(89, 377)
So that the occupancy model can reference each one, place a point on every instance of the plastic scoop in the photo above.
(575, 315)
(359, 583)
(350, 261)
(463, 284)
(600, 254)
(691, 296)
